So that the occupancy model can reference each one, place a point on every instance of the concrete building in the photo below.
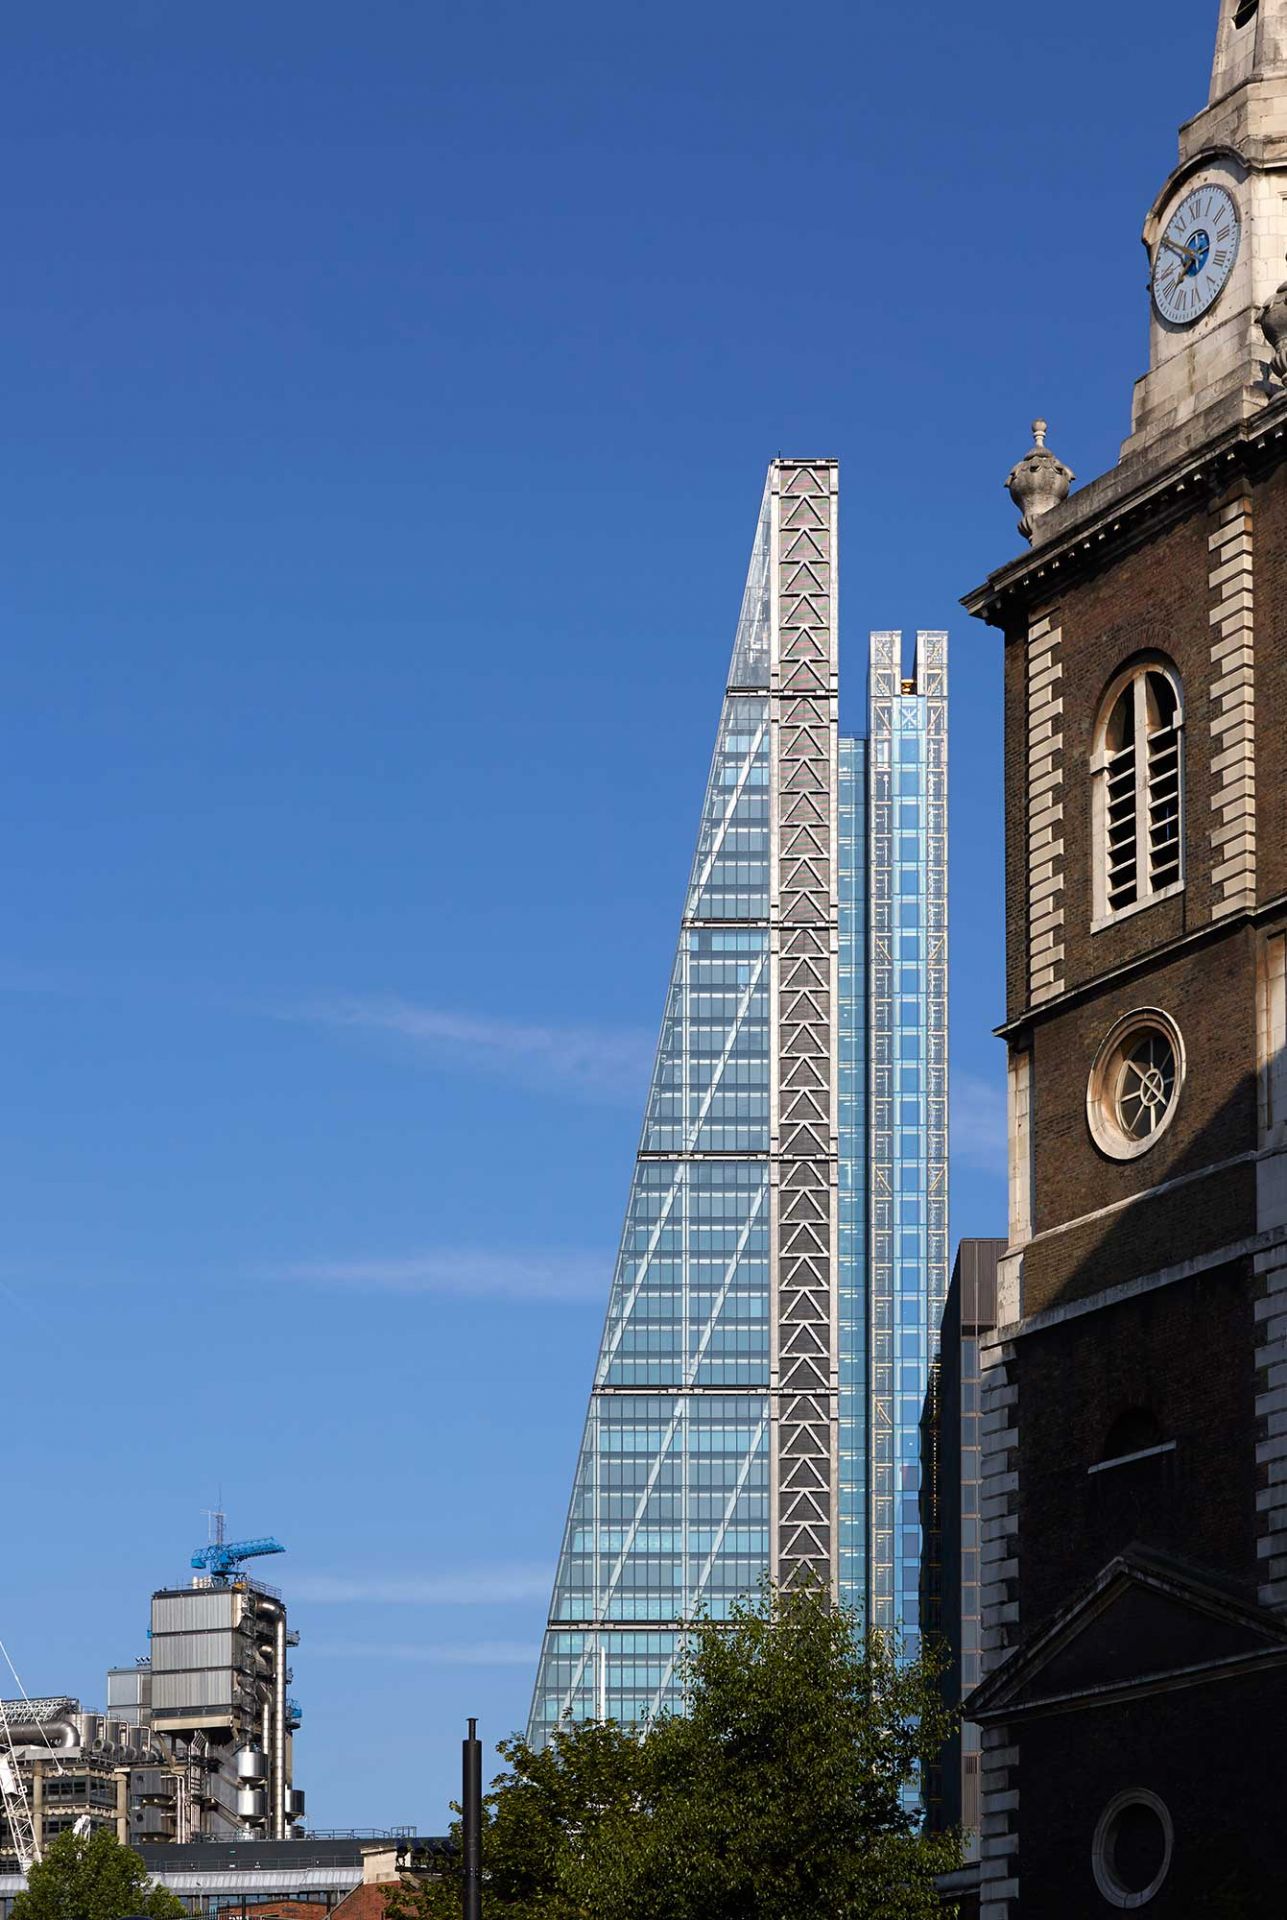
(197, 1741)
(220, 1707)
(75, 1766)
(757, 1400)
(1134, 1446)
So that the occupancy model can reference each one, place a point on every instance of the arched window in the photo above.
(1133, 1432)
(1134, 1490)
(1138, 769)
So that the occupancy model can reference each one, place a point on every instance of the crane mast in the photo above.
(17, 1809)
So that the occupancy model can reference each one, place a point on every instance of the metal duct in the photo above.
(276, 1612)
(60, 1734)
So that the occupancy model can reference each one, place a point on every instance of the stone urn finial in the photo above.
(1272, 319)
(1040, 481)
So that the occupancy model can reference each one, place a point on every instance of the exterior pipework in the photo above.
(222, 1684)
(59, 1734)
(279, 1730)
(274, 1717)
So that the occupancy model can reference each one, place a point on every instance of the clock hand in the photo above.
(1187, 253)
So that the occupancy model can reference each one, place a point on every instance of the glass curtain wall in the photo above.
(670, 1506)
(854, 1221)
(908, 1106)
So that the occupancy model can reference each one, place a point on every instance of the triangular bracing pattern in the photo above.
(806, 944)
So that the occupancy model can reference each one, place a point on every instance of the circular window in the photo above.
(1135, 1083)
(1131, 1856)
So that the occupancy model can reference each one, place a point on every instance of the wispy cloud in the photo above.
(464, 1587)
(465, 1653)
(602, 1063)
(468, 1274)
(979, 1123)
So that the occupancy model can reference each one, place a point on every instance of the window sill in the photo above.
(1104, 920)
(1129, 1459)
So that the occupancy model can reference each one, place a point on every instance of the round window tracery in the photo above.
(1145, 1085)
(1135, 1083)
(1131, 1853)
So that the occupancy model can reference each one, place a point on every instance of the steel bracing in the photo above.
(804, 919)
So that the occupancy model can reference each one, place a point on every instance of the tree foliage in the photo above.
(779, 1795)
(93, 1877)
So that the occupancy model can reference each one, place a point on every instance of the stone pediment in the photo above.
(1147, 1624)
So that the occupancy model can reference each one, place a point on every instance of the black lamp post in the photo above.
(471, 1807)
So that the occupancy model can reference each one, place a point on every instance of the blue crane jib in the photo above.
(222, 1558)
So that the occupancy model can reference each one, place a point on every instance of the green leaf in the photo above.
(93, 1877)
(779, 1795)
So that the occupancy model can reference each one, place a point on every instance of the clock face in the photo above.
(1195, 254)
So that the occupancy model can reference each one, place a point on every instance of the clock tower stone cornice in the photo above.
(1180, 176)
(1127, 506)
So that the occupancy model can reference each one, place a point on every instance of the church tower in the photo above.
(1133, 1512)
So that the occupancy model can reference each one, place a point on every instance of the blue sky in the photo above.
(388, 391)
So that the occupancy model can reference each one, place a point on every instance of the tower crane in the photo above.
(221, 1558)
(17, 1808)
(13, 1788)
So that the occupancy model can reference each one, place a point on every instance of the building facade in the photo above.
(765, 1341)
(950, 1481)
(195, 1745)
(903, 873)
(1134, 1450)
(220, 1705)
(305, 1878)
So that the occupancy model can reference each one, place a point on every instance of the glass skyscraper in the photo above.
(757, 1401)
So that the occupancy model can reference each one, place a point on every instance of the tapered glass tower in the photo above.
(749, 1406)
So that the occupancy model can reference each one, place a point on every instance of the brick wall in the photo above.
(1073, 1381)
(1222, 1787)
(1206, 1353)
(1210, 594)
(1210, 992)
